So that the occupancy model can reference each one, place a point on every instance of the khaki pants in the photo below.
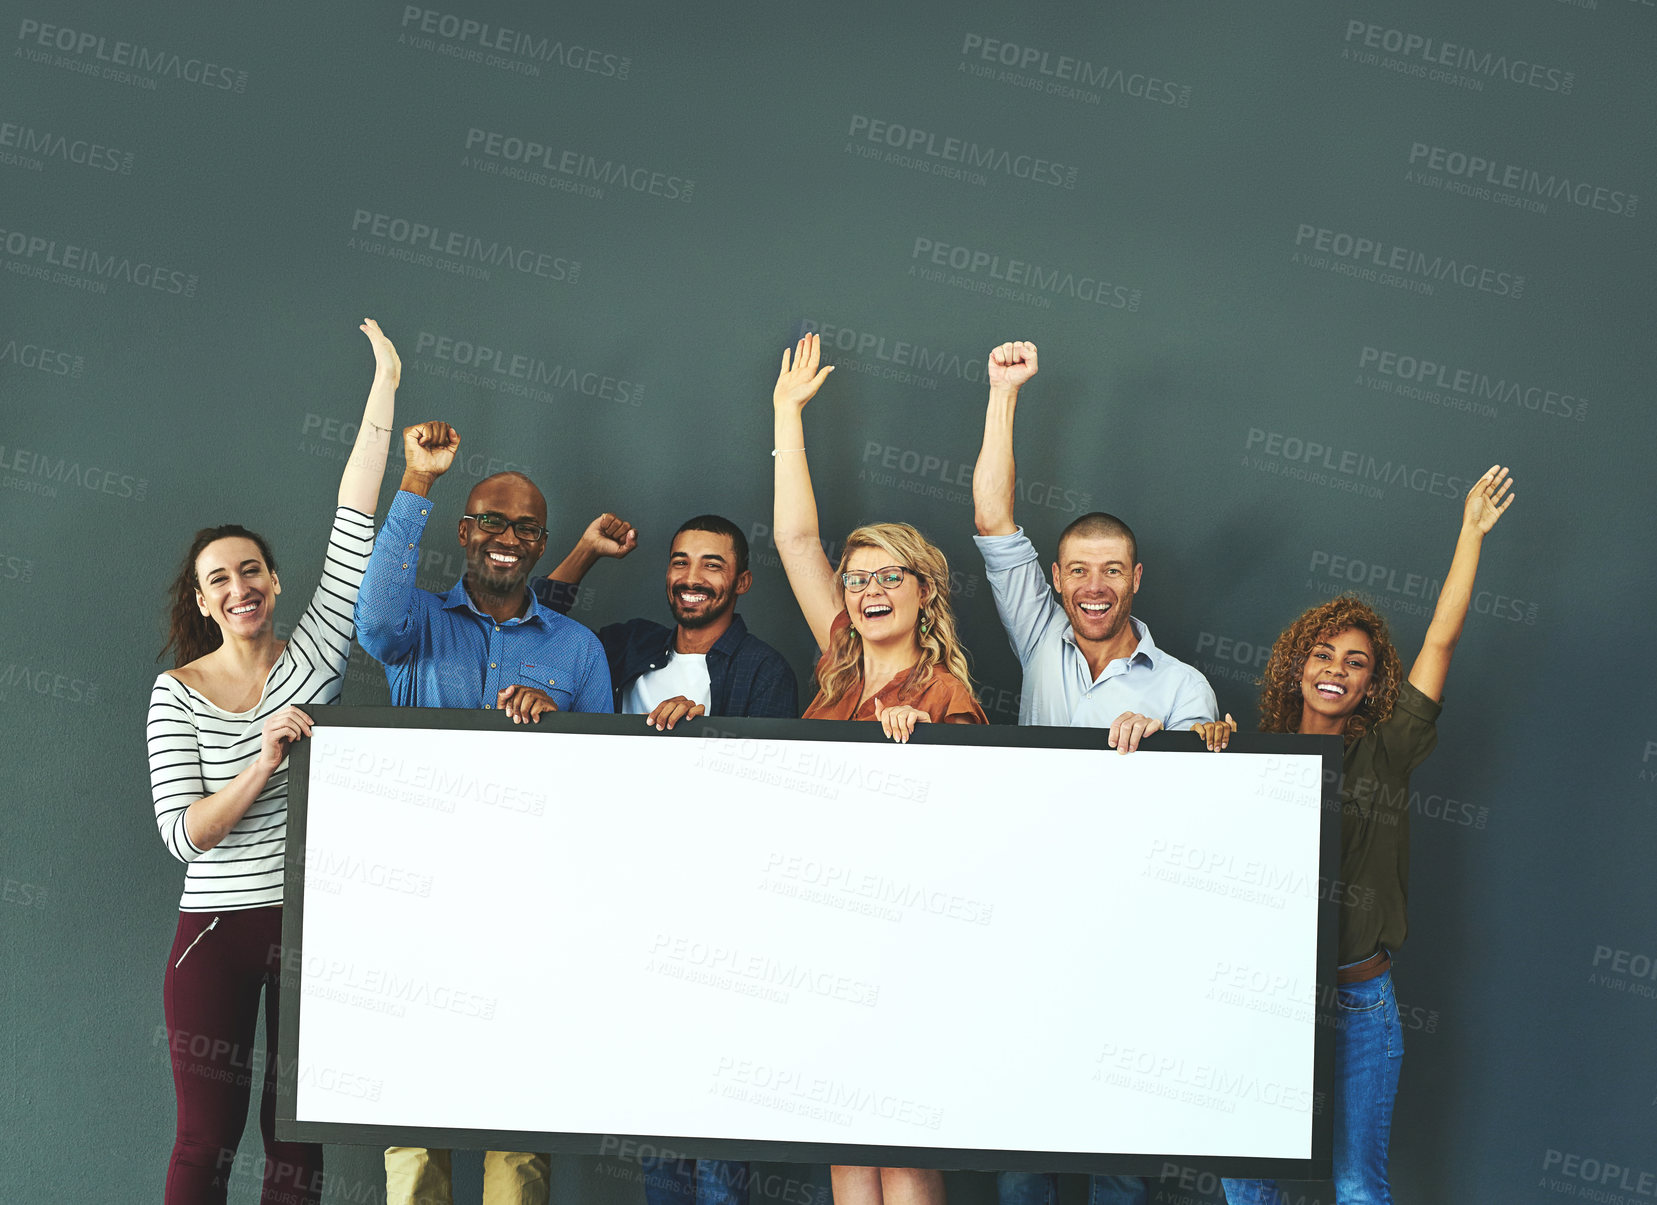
(417, 1176)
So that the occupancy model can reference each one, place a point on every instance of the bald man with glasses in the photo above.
(487, 643)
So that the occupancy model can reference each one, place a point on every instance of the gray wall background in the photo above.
(1245, 387)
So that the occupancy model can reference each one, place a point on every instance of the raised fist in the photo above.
(610, 536)
(430, 447)
(1012, 364)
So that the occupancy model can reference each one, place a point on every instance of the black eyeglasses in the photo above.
(890, 578)
(494, 524)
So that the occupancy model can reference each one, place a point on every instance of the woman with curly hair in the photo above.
(1335, 671)
(890, 652)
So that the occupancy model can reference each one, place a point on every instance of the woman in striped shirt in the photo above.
(220, 725)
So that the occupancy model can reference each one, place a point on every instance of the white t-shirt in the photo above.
(684, 674)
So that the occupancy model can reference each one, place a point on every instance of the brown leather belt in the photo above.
(1373, 967)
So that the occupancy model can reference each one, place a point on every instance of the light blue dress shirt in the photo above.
(1058, 688)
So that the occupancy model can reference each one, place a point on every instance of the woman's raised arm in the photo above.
(794, 516)
(359, 485)
(1484, 506)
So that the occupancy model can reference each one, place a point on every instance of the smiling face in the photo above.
(498, 563)
(1096, 580)
(883, 614)
(1338, 676)
(702, 581)
(235, 588)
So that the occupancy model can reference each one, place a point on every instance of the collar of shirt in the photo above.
(1145, 652)
(725, 646)
(457, 600)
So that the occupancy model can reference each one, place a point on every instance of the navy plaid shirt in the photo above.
(746, 676)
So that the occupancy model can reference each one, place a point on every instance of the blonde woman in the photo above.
(890, 652)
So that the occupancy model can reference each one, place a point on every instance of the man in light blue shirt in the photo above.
(1086, 659)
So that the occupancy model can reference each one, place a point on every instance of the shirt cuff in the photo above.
(410, 507)
(1413, 701)
(1006, 552)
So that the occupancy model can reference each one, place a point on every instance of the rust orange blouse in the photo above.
(945, 699)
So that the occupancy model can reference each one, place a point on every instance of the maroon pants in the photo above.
(211, 997)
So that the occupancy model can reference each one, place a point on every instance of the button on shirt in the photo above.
(1059, 689)
(439, 650)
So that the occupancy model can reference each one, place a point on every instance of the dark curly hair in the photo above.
(1280, 697)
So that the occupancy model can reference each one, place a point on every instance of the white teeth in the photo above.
(1330, 688)
(877, 612)
(502, 559)
(243, 609)
(1095, 608)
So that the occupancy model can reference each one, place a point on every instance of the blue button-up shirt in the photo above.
(1059, 689)
(441, 651)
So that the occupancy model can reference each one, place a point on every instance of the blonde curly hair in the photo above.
(1280, 698)
(841, 670)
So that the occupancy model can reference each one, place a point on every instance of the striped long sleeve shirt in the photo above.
(196, 748)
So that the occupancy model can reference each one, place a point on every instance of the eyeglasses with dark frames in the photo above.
(494, 524)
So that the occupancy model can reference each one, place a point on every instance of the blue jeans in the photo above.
(1369, 1047)
(1042, 1188)
(695, 1182)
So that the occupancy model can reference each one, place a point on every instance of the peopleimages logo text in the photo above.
(1079, 73)
(1378, 253)
(995, 266)
(1356, 465)
(1524, 395)
(539, 48)
(534, 370)
(72, 257)
(916, 141)
(50, 145)
(1435, 52)
(1527, 181)
(577, 165)
(119, 53)
(419, 236)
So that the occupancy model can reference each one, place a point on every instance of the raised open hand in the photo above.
(430, 447)
(800, 378)
(1012, 364)
(1485, 502)
(386, 362)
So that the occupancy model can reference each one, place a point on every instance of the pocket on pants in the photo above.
(1358, 1002)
